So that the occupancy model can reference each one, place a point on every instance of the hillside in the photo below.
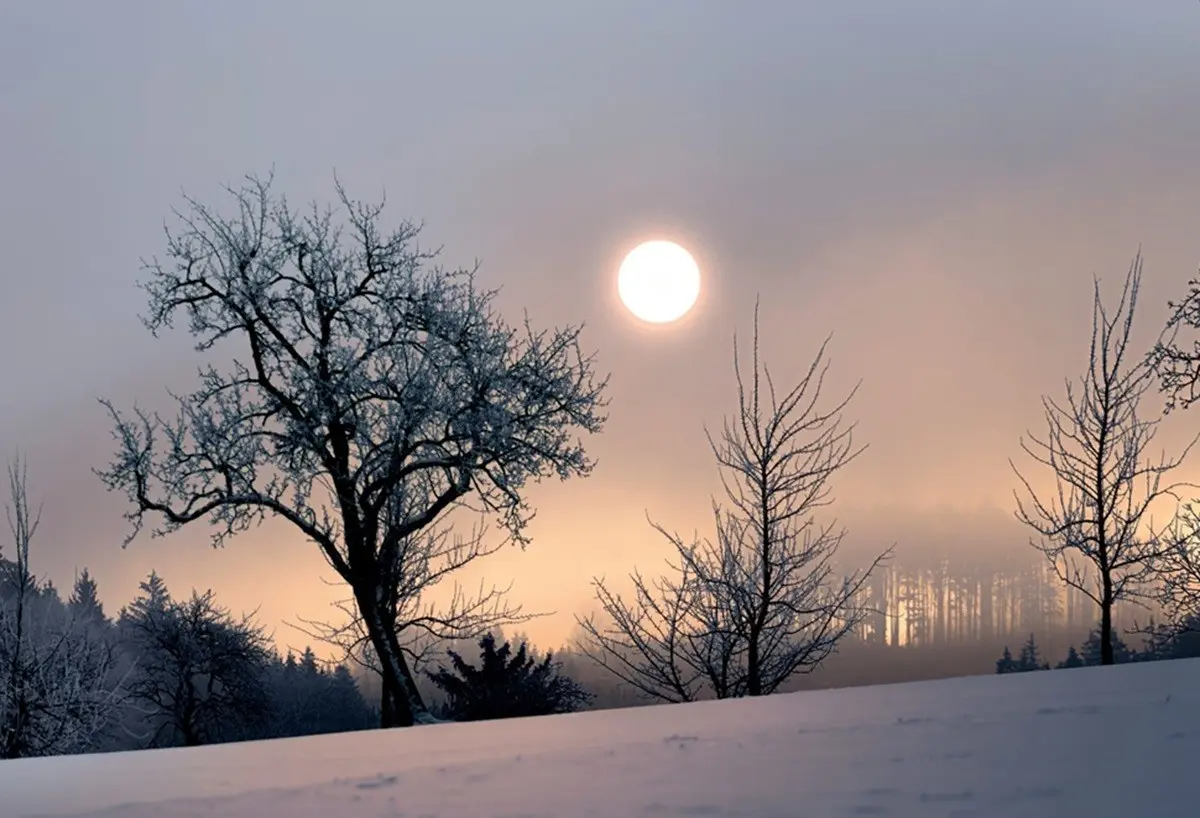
(1059, 743)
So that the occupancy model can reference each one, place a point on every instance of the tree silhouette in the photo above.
(1031, 658)
(1092, 650)
(1073, 659)
(308, 699)
(84, 602)
(763, 600)
(368, 393)
(505, 685)
(1094, 527)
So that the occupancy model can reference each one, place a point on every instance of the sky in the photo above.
(933, 184)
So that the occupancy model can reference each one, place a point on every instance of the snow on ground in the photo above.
(1095, 742)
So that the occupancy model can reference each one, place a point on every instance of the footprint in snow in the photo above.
(377, 782)
(1086, 710)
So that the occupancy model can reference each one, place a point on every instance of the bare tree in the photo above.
(366, 374)
(1095, 529)
(199, 674)
(659, 644)
(762, 601)
(56, 694)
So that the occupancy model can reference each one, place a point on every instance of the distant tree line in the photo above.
(964, 599)
(979, 587)
(170, 671)
(164, 672)
(1160, 642)
(180, 672)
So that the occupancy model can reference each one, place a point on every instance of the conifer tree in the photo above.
(85, 604)
(1091, 650)
(1073, 659)
(1031, 658)
(506, 685)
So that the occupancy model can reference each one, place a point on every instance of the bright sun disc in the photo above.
(659, 281)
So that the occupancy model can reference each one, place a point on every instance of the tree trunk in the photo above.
(753, 671)
(1106, 642)
(400, 703)
(387, 708)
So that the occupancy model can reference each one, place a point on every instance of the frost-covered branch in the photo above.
(56, 690)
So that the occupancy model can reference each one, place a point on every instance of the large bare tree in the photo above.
(57, 688)
(1095, 526)
(348, 376)
(739, 614)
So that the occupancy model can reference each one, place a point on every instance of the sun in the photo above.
(659, 281)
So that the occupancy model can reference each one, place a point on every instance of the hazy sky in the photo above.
(933, 182)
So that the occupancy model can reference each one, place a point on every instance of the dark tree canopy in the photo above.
(1073, 659)
(200, 674)
(309, 699)
(1092, 649)
(85, 604)
(1029, 659)
(1031, 656)
(506, 685)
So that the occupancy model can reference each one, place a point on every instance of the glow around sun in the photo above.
(659, 282)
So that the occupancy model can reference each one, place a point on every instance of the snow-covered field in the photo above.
(1094, 742)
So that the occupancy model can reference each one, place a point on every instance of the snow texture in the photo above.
(1117, 742)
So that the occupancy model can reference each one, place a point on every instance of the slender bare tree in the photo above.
(740, 614)
(360, 372)
(1095, 527)
(56, 691)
